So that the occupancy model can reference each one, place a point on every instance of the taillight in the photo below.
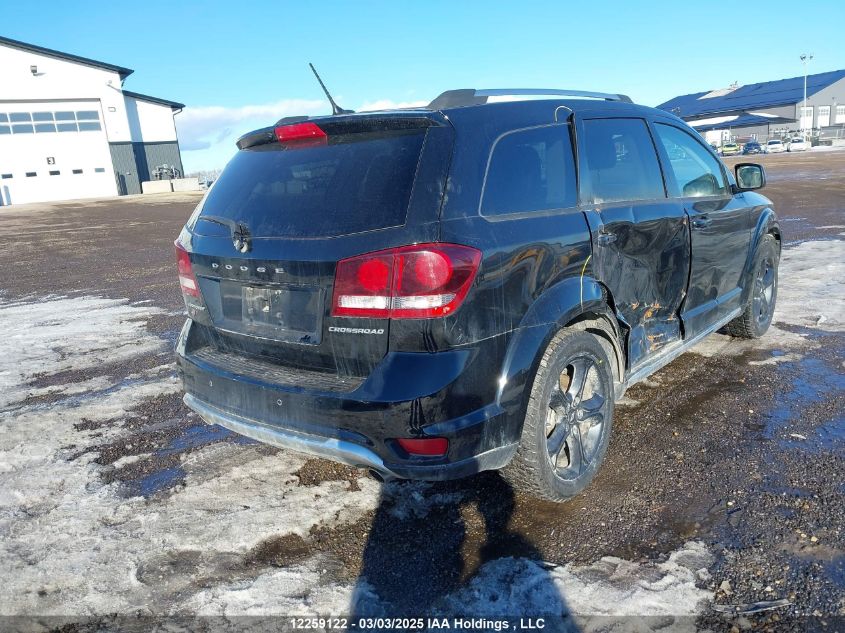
(187, 279)
(301, 134)
(424, 446)
(410, 282)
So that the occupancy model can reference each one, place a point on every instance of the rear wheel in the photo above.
(758, 311)
(568, 420)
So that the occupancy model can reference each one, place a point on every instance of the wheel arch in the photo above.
(578, 302)
(767, 224)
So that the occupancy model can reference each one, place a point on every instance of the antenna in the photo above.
(336, 109)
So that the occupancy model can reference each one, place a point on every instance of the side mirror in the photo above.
(749, 176)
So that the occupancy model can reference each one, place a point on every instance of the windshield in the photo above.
(358, 182)
(775, 143)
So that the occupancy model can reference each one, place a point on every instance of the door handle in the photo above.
(701, 222)
(606, 238)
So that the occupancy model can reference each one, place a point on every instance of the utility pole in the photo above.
(805, 59)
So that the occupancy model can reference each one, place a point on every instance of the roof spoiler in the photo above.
(471, 96)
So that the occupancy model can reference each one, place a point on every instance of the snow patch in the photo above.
(75, 546)
(60, 334)
(609, 587)
(811, 290)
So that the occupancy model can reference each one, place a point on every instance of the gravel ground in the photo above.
(736, 446)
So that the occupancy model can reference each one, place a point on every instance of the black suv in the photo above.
(433, 292)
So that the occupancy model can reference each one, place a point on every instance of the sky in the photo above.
(242, 65)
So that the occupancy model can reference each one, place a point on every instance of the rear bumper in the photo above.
(407, 395)
(346, 452)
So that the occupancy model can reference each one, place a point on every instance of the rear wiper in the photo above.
(241, 237)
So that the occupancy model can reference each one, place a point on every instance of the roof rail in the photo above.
(471, 96)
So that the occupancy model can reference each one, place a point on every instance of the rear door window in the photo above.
(697, 172)
(622, 161)
(357, 182)
(530, 170)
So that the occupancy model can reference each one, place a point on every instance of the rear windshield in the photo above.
(358, 182)
(775, 143)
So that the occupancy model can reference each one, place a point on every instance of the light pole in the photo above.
(805, 59)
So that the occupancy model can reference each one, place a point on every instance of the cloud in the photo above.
(203, 126)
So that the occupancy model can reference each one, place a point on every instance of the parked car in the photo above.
(730, 149)
(752, 147)
(775, 146)
(797, 144)
(468, 286)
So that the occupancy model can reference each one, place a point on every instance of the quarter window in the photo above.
(530, 170)
(622, 161)
(697, 172)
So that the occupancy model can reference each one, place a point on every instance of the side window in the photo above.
(530, 170)
(697, 171)
(622, 160)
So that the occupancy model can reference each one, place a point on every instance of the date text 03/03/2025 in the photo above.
(406, 624)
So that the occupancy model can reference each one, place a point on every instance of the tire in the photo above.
(756, 316)
(558, 414)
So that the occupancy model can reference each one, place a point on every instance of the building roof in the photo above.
(32, 48)
(738, 120)
(174, 105)
(768, 94)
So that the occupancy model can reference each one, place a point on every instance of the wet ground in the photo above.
(740, 447)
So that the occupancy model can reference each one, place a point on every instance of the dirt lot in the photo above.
(723, 486)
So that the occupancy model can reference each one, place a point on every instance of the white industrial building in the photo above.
(69, 130)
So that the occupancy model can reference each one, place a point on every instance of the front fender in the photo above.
(556, 307)
(767, 223)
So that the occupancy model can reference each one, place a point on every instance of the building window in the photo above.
(99, 170)
(824, 116)
(77, 171)
(840, 114)
(6, 176)
(31, 174)
(22, 122)
(55, 173)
